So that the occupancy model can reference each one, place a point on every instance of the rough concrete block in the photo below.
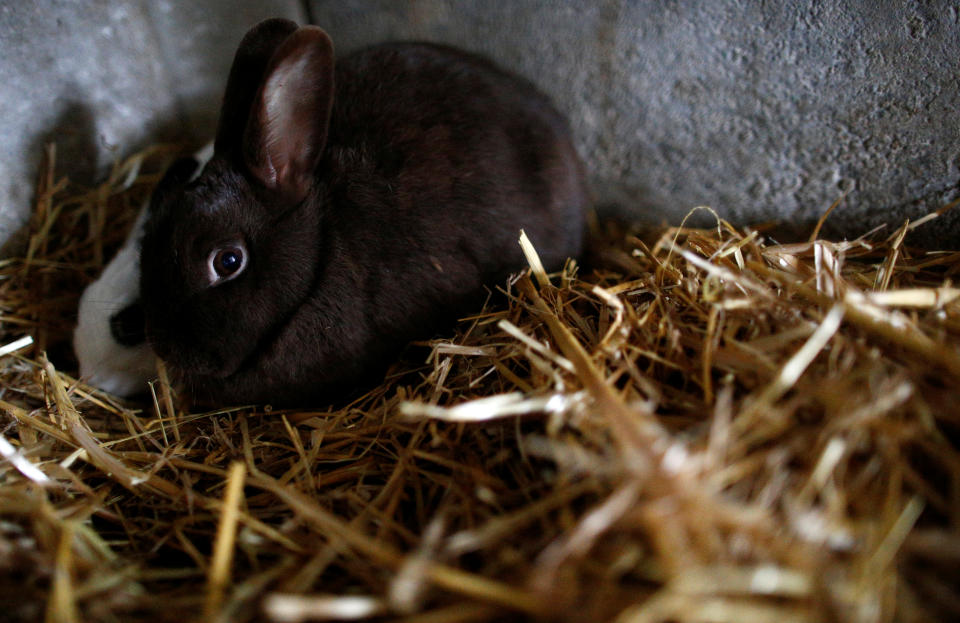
(763, 110)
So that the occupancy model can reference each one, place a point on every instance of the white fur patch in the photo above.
(104, 362)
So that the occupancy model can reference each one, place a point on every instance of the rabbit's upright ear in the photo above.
(249, 64)
(287, 128)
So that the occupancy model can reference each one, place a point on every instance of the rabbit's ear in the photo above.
(246, 75)
(287, 128)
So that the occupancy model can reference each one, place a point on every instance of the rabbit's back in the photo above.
(449, 150)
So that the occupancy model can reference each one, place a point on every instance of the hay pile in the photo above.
(706, 426)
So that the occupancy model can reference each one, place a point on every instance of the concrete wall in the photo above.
(764, 110)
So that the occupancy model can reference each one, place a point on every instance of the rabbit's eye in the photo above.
(227, 262)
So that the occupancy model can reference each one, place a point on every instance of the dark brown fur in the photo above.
(432, 162)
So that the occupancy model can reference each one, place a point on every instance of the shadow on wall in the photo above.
(82, 154)
(73, 132)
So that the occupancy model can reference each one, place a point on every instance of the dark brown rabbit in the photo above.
(350, 207)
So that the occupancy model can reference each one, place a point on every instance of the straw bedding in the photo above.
(701, 425)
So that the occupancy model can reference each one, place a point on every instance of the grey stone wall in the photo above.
(763, 110)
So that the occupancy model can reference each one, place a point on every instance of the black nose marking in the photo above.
(126, 326)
